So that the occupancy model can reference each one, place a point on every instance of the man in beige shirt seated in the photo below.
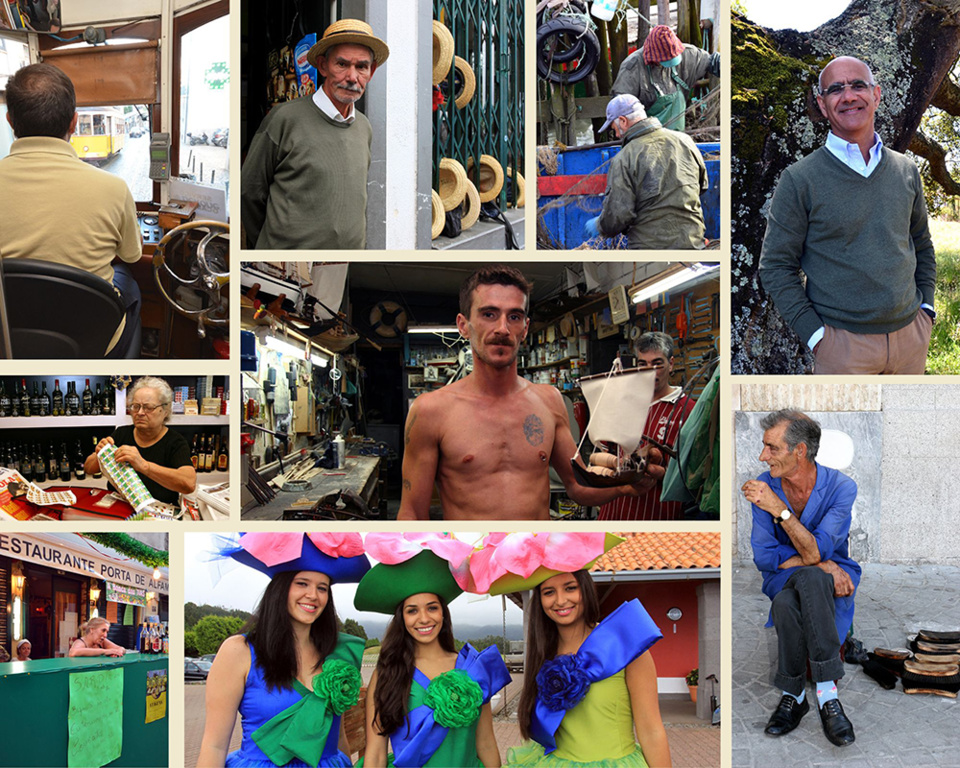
(55, 207)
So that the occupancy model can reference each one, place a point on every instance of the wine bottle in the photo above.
(26, 463)
(87, 400)
(24, 399)
(39, 465)
(97, 474)
(72, 400)
(222, 460)
(64, 464)
(46, 404)
(98, 401)
(35, 400)
(53, 465)
(57, 408)
(4, 401)
(78, 458)
(194, 456)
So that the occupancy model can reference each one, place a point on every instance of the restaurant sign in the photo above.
(121, 593)
(58, 553)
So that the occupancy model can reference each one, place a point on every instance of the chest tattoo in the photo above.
(533, 429)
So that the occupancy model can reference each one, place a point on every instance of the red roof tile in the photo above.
(662, 551)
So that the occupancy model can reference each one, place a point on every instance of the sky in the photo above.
(242, 587)
(802, 16)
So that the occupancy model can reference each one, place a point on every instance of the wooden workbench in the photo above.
(361, 475)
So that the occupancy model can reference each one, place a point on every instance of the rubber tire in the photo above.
(579, 46)
(588, 63)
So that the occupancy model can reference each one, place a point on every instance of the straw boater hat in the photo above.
(662, 44)
(442, 52)
(453, 183)
(349, 31)
(490, 181)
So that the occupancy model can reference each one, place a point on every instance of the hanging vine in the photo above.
(129, 546)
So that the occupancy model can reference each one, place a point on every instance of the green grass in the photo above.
(944, 355)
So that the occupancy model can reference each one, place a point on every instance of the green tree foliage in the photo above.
(192, 613)
(353, 627)
(486, 642)
(190, 643)
(211, 631)
(372, 642)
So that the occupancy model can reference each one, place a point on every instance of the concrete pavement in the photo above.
(893, 729)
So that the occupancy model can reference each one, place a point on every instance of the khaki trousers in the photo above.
(903, 351)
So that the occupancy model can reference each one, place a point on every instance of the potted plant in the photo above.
(693, 679)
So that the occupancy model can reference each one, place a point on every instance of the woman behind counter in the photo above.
(93, 640)
(23, 650)
(159, 455)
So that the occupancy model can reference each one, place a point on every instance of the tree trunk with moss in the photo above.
(910, 45)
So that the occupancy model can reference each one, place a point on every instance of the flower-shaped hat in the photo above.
(514, 562)
(338, 555)
(410, 563)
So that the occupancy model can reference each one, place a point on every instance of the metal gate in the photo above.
(488, 34)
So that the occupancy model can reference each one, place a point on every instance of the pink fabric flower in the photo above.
(521, 554)
(393, 548)
(275, 548)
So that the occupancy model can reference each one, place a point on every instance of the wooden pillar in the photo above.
(643, 28)
(603, 66)
(618, 48)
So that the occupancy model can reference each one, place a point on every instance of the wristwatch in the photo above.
(785, 515)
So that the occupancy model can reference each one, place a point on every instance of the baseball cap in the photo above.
(624, 105)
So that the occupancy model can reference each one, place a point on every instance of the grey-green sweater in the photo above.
(304, 180)
(863, 244)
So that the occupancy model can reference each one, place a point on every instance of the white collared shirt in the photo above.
(323, 101)
(851, 156)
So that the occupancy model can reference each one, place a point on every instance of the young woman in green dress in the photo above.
(427, 702)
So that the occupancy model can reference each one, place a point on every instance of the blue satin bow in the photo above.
(415, 742)
(616, 641)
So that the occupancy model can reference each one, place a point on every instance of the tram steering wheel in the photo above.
(207, 276)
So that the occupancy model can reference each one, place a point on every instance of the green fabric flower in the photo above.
(454, 698)
(339, 683)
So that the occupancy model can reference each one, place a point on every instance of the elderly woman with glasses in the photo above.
(159, 455)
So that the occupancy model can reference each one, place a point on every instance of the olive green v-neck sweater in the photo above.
(304, 180)
(863, 244)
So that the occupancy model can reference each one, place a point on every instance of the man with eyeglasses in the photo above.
(654, 183)
(669, 409)
(852, 216)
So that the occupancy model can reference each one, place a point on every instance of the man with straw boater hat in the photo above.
(304, 181)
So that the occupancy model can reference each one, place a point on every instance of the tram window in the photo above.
(116, 139)
(14, 53)
(205, 103)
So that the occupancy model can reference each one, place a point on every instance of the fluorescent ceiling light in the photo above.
(286, 348)
(433, 329)
(670, 278)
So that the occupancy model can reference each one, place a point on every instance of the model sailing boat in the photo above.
(618, 402)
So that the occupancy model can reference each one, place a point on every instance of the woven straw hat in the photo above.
(471, 207)
(439, 217)
(453, 183)
(490, 179)
(519, 187)
(442, 52)
(469, 81)
(349, 31)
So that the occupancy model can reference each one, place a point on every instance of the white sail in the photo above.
(618, 406)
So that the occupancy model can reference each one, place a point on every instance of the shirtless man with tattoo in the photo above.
(489, 439)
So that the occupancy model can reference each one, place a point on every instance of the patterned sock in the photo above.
(799, 698)
(826, 691)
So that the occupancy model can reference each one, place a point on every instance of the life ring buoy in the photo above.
(388, 319)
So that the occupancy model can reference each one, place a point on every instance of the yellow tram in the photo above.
(100, 134)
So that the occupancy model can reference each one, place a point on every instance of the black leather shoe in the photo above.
(836, 725)
(787, 715)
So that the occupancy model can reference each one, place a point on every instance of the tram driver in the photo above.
(58, 208)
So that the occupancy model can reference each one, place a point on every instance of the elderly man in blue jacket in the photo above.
(801, 523)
